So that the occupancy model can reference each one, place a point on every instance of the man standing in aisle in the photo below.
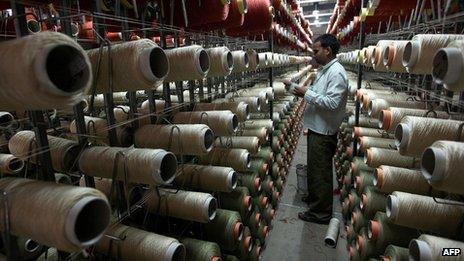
(326, 99)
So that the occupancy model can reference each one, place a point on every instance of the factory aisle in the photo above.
(293, 239)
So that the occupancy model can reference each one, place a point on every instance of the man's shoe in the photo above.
(305, 216)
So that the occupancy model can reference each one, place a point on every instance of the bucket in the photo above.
(301, 179)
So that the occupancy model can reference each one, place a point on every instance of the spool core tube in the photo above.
(388, 54)
(402, 135)
(232, 179)
(175, 252)
(228, 62)
(433, 163)
(154, 64)
(202, 62)
(392, 207)
(385, 119)
(168, 168)
(373, 229)
(211, 205)
(411, 54)
(447, 65)
(419, 251)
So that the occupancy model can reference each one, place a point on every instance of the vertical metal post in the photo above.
(362, 37)
(271, 103)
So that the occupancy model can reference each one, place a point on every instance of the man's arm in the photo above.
(336, 89)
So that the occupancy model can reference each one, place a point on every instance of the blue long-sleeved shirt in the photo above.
(326, 99)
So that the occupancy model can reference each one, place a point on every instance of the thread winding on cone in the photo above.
(187, 63)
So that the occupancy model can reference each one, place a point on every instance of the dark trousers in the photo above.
(321, 149)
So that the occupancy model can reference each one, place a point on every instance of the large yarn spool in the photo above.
(442, 165)
(376, 156)
(199, 13)
(138, 244)
(185, 139)
(187, 63)
(254, 103)
(260, 133)
(135, 65)
(145, 107)
(146, 166)
(222, 61)
(238, 159)
(333, 230)
(428, 247)
(422, 212)
(199, 250)
(69, 218)
(370, 132)
(391, 117)
(377, 55)
(121, 114)
(252, 144)
(389, 179)
(226, 229)
(367, 97)
(448, 66)
(419, 52)
(377, 105)
(369, 142)
(414, 134)
(364, 122)
(258, 19)
(253, 124)
(238, 200)
(396, 253)
(188, 205)
(372, 201)
(208, 178)
(63, 152)
(59, 72)
(241, 61)
(98, 128)
(223, 123)
(241, 109)
(10, 164)
(235, 18)
(384, 232)
(393, 56)
(253, 59)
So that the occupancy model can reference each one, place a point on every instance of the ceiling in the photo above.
(324, 8)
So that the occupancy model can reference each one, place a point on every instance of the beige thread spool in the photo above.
(136, 65)
(66, 217)
(188, 205)
(280, 89)
(222, 61)
(442, 165)
(263, 98)
(241, 61)
(59, 72)
(252, 144)
(361, 92)
(9, 164)
(422, 212)
(369, 142)
(223, 123)
(98, 128)
(241, 109)
(253, 124)
(414, 134)
(376, 56)
(63, 152)
(419, 52)
(261, 133)
(208, 178)
(448, 66)
(238, 159)
(119, 98)
(254, 103)
(138, 244)
(428, 247)
(187, 63)
(376, 156)
(391, 117)
(364, 122)
(376, 106)
(187, 139)
(370, 132)
(253, 60)
(393, 56)
(367, 97)
(199, 250)
(146, 166)
(388, 179)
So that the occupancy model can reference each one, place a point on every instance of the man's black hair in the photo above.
(329, 40)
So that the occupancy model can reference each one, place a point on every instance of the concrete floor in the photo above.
(294, 239)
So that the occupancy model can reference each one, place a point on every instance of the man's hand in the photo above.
(286, 81)
(300, 91)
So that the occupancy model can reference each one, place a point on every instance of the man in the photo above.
(326, 99)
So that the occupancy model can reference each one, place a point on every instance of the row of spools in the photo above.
(440, 55)
(400, 195)
(219, 201)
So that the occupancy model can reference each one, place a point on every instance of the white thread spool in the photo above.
(393, 56)
(261, 133)
(223, 123)
(69, 218)
(241, 61)
(418, 53)
(391, 117)
(98, 127)
(146, 166)
(442, 165)
(263, 62)
(388, 179)
(138, 244)
(187, 63)
(370, 132)
(254, 103)
(376, 106)
(187, 139)
(238, 159)
(252, 144)
(253, 124)
(331, 236)
(448, 66)
(136, 65)
(428, 248)
(59, 72)
(188, 205)
(222, 61)
(375, 157)
(364, 122)
(209, 178)
(241, 109)
(119, 98)
(414, 134)
(422, 212)
(369, 142)
(376, 56)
